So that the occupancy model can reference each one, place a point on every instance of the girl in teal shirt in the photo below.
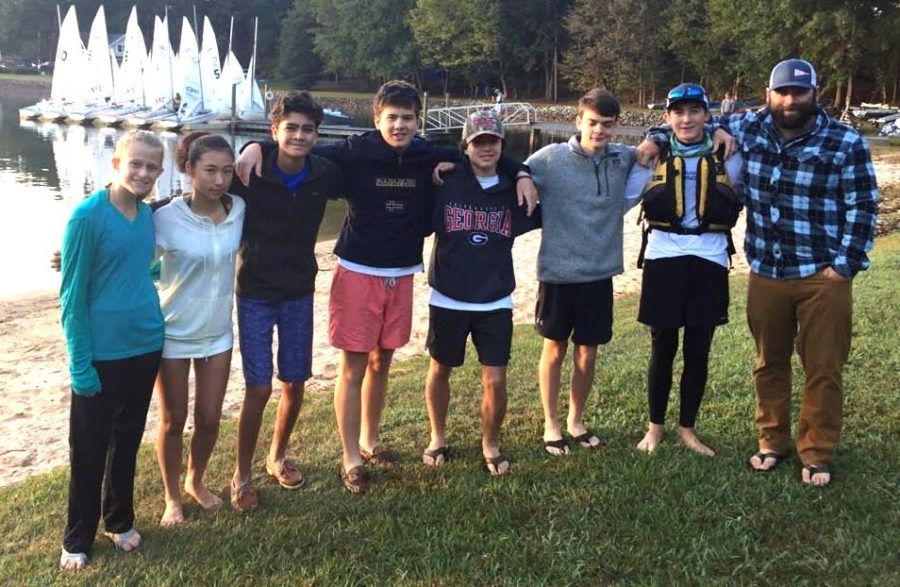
(114, 337)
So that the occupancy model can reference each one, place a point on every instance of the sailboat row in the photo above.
(159, 89)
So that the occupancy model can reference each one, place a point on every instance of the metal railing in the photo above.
(452, 118)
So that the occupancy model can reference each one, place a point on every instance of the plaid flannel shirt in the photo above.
(811, 201)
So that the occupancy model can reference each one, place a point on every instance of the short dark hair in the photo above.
(184, 146)
(299, 101)
(397, 93)
(208, 143)
(601, 101)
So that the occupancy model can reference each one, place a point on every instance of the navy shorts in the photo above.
(580, 310)
(448, 330)
(257, 320)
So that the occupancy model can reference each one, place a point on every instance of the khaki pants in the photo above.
(816, 314)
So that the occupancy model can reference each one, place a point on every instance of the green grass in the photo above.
(616, 517)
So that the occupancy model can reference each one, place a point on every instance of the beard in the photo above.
(795, 118)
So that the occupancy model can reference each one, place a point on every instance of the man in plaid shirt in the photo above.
(811, 201)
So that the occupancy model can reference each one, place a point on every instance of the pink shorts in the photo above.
(366, 311)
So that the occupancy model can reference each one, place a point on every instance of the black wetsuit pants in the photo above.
(697, 342)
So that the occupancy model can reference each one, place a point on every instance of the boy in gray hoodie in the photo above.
(582, 185)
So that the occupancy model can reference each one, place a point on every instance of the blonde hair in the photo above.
(140, 136)
(146, 137)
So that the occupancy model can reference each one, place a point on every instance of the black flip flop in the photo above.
(765, 455)
(560, 445)
(438, 456)
(817, 470)
(492, 464)
(584, 441)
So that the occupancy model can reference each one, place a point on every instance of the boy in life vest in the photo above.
(582, 184)
(691, 200)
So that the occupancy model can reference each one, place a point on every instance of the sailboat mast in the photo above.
(199, 60)
(230, 34)
(172, 90)
(255, 29)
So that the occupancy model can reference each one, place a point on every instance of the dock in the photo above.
(265, 127)
(338, 131)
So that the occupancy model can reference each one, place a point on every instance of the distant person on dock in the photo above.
(582, 184)
(389, 194)
(811, 212)
(727, 105)
(114, 337)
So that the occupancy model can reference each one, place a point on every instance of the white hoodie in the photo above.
(196, 285)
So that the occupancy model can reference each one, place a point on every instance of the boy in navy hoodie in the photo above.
(475, 220)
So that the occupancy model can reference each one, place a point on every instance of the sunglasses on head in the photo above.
(688, 92)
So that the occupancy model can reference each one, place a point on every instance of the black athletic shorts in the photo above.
(683, 291)
(582, 310)
(448, 330)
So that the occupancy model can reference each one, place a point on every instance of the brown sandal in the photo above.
(356, 480)
(243, 496)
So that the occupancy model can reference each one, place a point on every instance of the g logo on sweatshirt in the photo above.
(478, 238)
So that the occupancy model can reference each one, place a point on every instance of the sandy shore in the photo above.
(34, 409)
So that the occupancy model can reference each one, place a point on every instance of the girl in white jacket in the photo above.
(197, 239)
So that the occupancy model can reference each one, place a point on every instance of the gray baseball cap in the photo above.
(796, 73)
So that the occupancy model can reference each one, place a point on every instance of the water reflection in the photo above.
(82, 159)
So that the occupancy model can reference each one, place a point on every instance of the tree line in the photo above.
(534, 48)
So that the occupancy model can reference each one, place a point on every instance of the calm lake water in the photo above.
(46, 169)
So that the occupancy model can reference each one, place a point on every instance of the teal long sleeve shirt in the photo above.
(110, 308)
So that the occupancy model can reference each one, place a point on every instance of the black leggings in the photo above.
(693, 378)
(104, 436)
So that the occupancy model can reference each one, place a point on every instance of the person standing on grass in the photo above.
(389, 195)
(685, 258)
(275, 284)
(811, 211)
(475, 220)
(197, 238)
(583, 199)
(114, 337)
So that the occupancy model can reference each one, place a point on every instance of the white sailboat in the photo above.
(66, 86)
(129, 93)
(192, 95)
(250, 100)
(98, 69)
(158, 80)
(232, 78)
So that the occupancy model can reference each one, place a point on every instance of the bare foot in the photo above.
(689, 439)
(651, 440)
(72, 561)
(207, 499)
(173, 516)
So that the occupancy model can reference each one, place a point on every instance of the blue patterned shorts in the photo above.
(257, 320)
